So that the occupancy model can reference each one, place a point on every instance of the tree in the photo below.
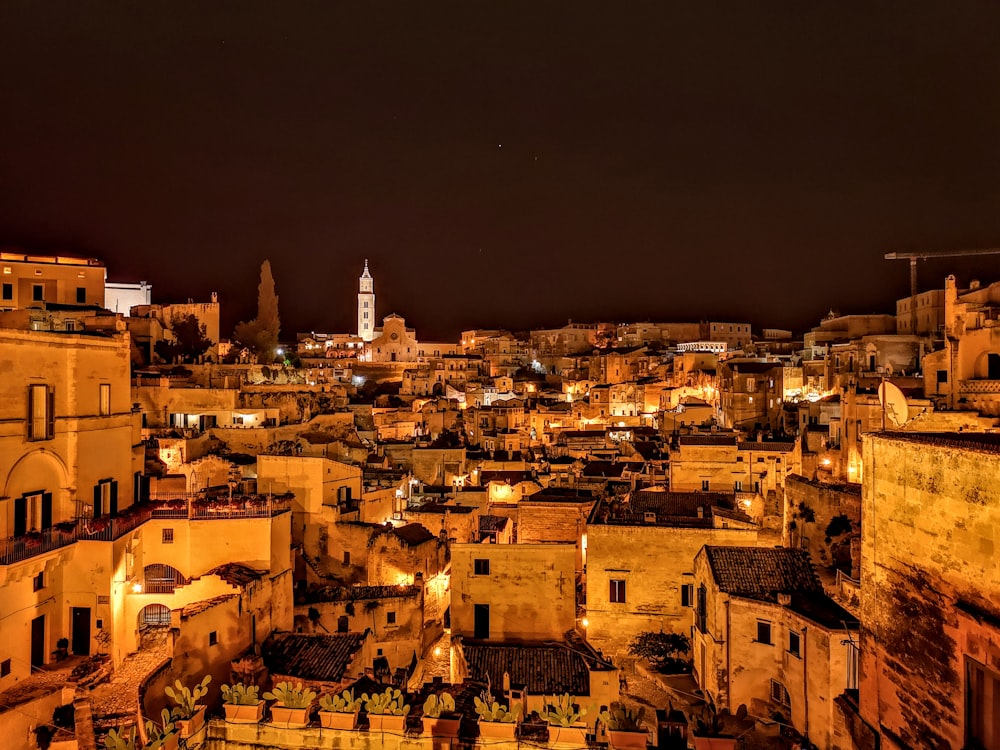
(664, 650)
(260, 335)
(190, 340)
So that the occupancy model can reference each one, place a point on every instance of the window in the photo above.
(4, 667)
(8, 291)
(342, 624)
(213, 638)
(481, 566)
(37, 293)
(167, 536)
(794, 643)
(704, 485)
(779, 694)
(390, 618)
(347, 557)
(763, 632)
(106, 498)
(41, 412)
(617, 593)
(738, 486)
(38, 583)
(942, 375)
(105, 399)
(982, 699)
(687, 595)
(366, 315)
(81, 295)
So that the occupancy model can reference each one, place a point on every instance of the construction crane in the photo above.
(914, 257)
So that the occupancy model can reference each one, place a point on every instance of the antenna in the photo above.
(893, 404)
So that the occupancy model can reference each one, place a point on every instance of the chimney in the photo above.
(785, 600)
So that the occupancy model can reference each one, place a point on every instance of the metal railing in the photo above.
(107, 529)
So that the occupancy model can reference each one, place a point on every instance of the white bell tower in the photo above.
(366, 305)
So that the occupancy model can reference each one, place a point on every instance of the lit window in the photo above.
(481, 566)
(617, 591)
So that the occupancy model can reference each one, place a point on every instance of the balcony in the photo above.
(107, 529)
(979, 386)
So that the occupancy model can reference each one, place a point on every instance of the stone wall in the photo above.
(930, 583)
(821, 502)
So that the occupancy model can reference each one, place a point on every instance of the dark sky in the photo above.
(506, 164)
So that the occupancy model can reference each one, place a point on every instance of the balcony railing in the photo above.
(107, 529)
(980, 386)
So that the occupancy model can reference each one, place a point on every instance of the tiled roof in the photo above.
(493, 523)
(413, 534)
(510, 477)
(236, 574)
(604, 469)
(707, 440)
(780, 446)
(311, 657)
(441, 508)
(546, 669)
(561, 495)
(762, 572)
(198, 607)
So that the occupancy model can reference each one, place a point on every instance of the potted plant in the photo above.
(292, 707)
(496, 721)
(440, 719)
(162, 736)
(708, 726)
(386, 711)
(118, 740)
(565, 716)
(339, 711)
(624, 727)
(189, 714)
(242, 703)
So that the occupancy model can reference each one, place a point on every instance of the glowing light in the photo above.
(136, 588)
(437, 651)
(826, 461)
(585, 622)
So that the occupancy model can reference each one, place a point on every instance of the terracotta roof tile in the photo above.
(762, 572)
(311, 657)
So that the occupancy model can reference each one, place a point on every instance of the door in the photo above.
(81, 630)
(46, 510)
(20, 515)
(482, 621)
(38, 641)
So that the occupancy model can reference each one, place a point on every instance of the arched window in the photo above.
(154, 615)
(161, 579)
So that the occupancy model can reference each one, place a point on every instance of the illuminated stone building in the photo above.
(30, 280)
(366, 305)
(930, 587)
(767, 637)
(640, 560)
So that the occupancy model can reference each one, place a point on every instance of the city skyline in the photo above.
(495, 165)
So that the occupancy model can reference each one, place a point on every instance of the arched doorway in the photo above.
(159, 578)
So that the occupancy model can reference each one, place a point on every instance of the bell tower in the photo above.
(366, 305)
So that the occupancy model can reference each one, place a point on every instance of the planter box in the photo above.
(575, 735)
(334, 720)
(190, 727)
(386, 723)
(244, 714)
(443, 726)
(714, 743)
(290, 718)
(619, 739)
(498, 730)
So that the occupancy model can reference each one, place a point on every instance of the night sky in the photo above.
(506, 165)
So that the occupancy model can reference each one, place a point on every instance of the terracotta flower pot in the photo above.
(575, 735)
(290, 718)
(443, 726)
(334, 720)
(620, 739)
(498, 730)
(190, 727)
(244, 714)
(714, 743)
(386, 723)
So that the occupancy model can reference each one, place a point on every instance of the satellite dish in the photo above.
(893, 403)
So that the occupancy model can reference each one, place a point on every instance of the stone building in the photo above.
(640, 560)
(32, 280)
(767, 637)
(930, 587)
(513, 591)
(750, 394)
